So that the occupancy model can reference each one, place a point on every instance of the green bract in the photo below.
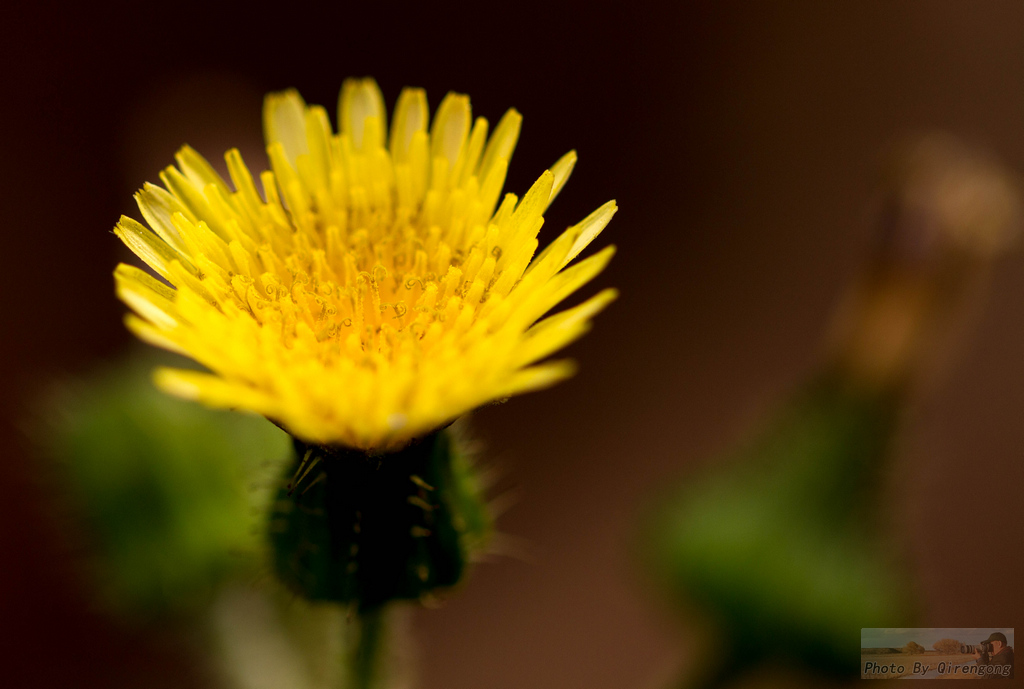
(368, 529)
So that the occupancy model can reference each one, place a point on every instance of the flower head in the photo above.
(376, 289)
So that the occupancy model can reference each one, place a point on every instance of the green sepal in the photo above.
(352, 527)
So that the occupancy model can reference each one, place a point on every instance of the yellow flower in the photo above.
(376, 290)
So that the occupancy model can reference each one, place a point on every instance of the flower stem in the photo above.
(366, 657)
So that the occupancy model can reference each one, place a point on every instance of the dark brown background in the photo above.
(740, 140)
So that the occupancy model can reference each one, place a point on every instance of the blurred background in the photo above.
(741, 141)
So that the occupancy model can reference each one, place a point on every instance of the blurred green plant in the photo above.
(784, 553)
(171, 497)
(782, 550)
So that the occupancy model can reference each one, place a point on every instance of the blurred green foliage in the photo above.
(784, 552)
(169, 495)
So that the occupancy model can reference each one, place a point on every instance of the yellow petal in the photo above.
(156, 253)
(555, 332)
(150, 334)
(198, 170)
(563, 284)
(158, 206)
(533, 204)
(359, 101)
(502, 143)
(411, 115)
(284, 122)
(474, 149)
(589, 228)
(209, 389)
(151, 299)
(536, 378)
(451, 127)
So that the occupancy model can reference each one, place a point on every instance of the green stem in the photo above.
(366, 661)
